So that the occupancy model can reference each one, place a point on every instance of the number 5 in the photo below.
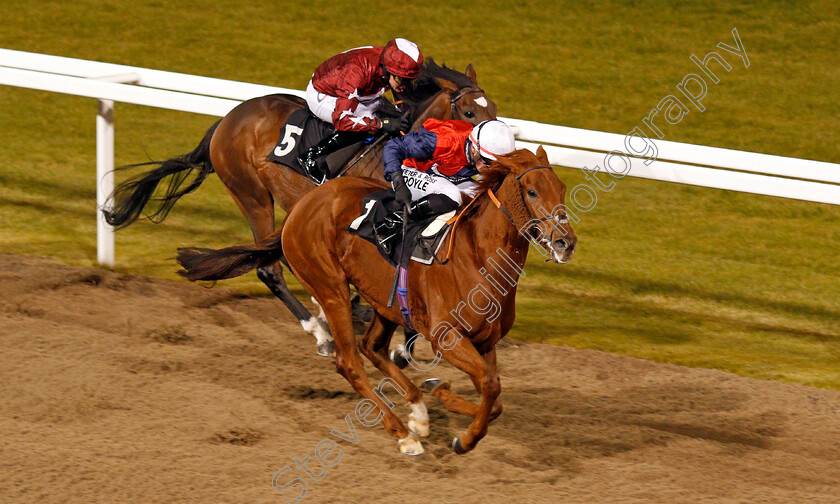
(288, 142)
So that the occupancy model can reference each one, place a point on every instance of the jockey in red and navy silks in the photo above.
(345, 91)
(429, 169)
(438, 147)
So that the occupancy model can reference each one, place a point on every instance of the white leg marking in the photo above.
(321, 316)
(418, 419)
(314, 327)
(411, 445)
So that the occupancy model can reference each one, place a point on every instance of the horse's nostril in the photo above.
(562, 243)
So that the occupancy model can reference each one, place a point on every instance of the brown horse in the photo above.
(463, 307)
(236, 148)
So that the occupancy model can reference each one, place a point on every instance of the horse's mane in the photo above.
(425, 87)
(493, 177)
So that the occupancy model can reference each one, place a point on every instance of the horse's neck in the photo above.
(436, 107)
(492, 230)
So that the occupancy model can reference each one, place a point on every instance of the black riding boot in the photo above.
(426, 207)
(314, 160)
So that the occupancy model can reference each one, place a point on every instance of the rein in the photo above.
(498, 204)
(454, 99)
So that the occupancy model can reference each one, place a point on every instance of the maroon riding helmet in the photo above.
(402, 58)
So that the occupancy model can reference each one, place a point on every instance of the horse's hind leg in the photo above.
(375, 347)
(272, 277)
(322, 276)
(257, 205)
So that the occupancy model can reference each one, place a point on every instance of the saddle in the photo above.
(302, 131)
(422, 239)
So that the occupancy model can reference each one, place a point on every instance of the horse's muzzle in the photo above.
(563, 249)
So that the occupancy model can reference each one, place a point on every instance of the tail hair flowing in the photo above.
(229, 262)
(130, 197)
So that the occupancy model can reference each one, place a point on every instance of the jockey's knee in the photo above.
(442, 203)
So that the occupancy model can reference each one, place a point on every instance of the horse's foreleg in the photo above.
(272, 277)
(375, 347)
(490, 358)
(457, 404)
(463, 355)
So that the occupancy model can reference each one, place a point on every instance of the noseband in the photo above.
(454, 99)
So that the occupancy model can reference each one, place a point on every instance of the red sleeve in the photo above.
(347, 87)
(345, 119)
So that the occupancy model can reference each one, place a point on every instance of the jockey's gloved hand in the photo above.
(402, 194)
(405, 122)
(390, 125)
(385, 108)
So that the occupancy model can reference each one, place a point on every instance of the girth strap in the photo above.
(402, 296)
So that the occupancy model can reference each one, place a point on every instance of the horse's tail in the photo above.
(209, 264)
(130, 197)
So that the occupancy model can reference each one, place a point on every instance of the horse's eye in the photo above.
(562, 218)
(532, 193)
(469, 114)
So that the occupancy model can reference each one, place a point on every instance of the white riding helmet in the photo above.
(492, 138)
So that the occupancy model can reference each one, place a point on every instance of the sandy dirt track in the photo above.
(118, 388)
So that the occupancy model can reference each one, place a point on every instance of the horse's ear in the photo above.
(542, 156)
(507, 161)
(471, 74)
(446, 85)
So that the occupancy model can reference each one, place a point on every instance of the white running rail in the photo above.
(570, 147)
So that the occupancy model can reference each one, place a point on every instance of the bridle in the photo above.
(454, 221)
(545, 241)
(505, 210)
(462, 93)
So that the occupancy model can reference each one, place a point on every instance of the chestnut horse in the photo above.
(237, 146)
(461, 308)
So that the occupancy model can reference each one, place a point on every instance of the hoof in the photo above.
(457, 447)
(419, 427)
(398, 356)
(411, 445)
(327, 349)
(431, 384)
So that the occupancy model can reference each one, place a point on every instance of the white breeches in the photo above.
(421, 184)
(323, 105)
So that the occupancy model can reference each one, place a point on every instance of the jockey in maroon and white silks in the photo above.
(345, 91)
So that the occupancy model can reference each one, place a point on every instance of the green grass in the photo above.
(674, 273)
